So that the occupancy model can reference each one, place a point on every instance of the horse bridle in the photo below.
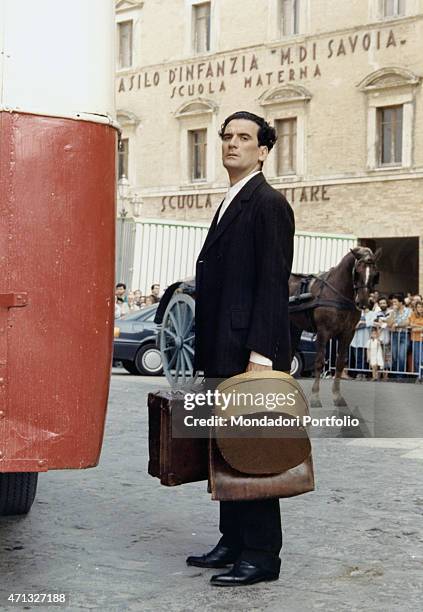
(356, 286)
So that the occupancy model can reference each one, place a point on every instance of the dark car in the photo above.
(303, 360)
(135, 343)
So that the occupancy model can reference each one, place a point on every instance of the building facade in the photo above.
(341, 81)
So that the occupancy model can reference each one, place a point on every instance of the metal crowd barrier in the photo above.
(402, 357)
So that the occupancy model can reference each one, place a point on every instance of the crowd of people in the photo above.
(127, 302)
(388, 339)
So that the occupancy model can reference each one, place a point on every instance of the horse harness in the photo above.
(304, 301)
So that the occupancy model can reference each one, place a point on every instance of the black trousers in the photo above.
(253, 529)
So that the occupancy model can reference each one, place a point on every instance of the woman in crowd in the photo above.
(416, 323)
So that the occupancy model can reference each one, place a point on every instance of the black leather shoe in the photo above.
(220, 556)
(242, 574)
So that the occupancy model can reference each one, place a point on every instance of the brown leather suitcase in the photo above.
(227, 484)
(173, 460)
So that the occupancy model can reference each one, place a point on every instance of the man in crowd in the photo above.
(120, 293)
(155, 293)
(121, 304)
(381, 323)
(398, 323)
(138, 298)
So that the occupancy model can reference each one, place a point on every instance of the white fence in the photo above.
(315, 252)
(166, 251)
(401, 357)
(125, 243)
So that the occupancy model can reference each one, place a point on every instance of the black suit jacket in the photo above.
(242, 277)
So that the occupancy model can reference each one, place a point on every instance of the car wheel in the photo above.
(148, 361)
(17, 492)
(296, 366)
(130, 367)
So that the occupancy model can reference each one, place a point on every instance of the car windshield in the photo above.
(143, 314)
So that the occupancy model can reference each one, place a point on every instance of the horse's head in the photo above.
(365, 274)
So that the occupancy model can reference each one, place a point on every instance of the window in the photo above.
(290, 15)
(390, 94)
(393, 8)
(125, 44)
(286, 106)
(286, 146)
(123, 158)
(197, 151)
(198, 154)
(389, 120)
(201, 27)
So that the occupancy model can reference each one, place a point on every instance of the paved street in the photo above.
(114, 539)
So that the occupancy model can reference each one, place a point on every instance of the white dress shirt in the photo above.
(232, 192)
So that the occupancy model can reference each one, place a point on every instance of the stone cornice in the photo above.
(200, 106)
(388, 78)
(122, 6)
(285, 95)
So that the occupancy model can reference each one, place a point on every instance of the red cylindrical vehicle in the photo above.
(57, 219)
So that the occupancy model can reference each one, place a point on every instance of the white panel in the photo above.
(145, 235)
(314, 254)
(184, 257)
(158, 257)
(169, 252)
(152, 258)
(171, 256)
(323, 255)
(59, 57)
(162, 263)
(137, 257)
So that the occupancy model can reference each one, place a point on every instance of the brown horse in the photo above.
(330, 306)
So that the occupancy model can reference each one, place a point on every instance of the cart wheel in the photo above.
(177, 336)
(17, 492)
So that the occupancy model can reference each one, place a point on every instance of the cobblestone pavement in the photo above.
(114, 539)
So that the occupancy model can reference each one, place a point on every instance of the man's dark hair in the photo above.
(266, 134)
(382, 297)
(155, 285)
(399, 297)
(120, 285)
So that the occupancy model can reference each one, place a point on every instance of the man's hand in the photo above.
(256, 367)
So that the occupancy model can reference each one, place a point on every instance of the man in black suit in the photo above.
(242, 324)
